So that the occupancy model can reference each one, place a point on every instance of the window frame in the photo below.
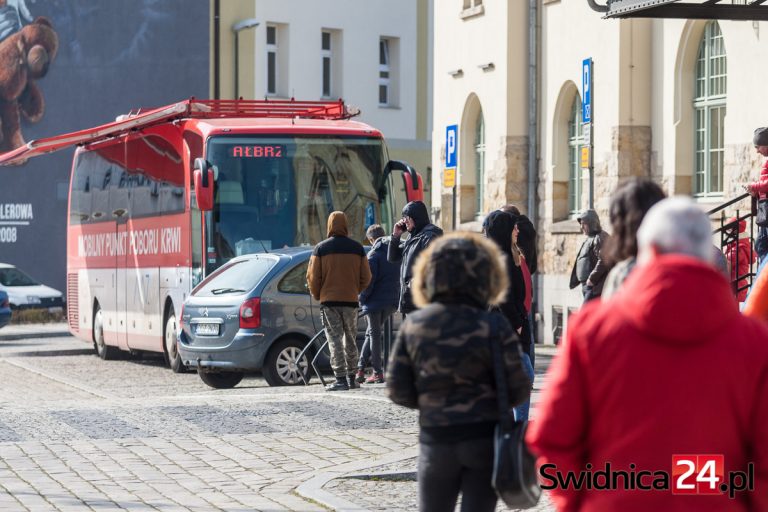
(479, 150)
(272, 49)
(385, 66)
(709, 112)
(575, 141)
(326, 71)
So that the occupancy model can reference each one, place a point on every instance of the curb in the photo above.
(34, 335)
(312, 489)
(35, 330)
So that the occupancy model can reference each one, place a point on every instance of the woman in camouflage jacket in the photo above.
(441, 365)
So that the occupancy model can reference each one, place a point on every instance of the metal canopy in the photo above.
(701, 9)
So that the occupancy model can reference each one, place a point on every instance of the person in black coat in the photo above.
(498, 226)
(416, 221)
(501, 227)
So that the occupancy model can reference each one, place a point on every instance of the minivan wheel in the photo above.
(221, 380)
(172, 357)
(282, 367)
(104, 351)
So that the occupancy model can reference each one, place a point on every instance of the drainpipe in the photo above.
(533, 129)
(533, 126)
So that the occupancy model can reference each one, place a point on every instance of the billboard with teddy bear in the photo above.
(66, 65)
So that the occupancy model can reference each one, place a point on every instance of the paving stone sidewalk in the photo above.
(78, 433)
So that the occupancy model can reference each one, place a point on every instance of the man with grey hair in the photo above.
(675, 225)
(668, 366)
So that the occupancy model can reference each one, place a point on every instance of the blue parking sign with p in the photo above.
(586, 82)
(451, 145)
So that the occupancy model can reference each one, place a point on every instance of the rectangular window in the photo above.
(384, 72)
(271, 60)
(388, 71)
(325, 47)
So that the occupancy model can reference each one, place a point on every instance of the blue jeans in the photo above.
(521, 411)
(372, 346)
(761, 248)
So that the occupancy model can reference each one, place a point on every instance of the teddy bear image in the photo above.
(25, 57)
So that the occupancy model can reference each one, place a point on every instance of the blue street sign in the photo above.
(451, 146)
(586, 83)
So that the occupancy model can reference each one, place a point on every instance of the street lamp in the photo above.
(236, 28)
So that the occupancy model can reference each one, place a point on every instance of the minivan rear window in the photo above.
(236, 278)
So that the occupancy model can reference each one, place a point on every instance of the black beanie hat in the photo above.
(761, 137)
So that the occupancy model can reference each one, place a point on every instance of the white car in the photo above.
(24, 292)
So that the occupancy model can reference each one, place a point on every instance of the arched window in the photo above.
(574, 161)
(709, 112)
(479, 163)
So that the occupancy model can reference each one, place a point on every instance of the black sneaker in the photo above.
(352, 382)
(339, 385)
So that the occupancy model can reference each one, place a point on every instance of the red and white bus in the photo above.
(160, 198)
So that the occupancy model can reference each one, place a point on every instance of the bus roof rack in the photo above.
(327, 110)
(190, 108)
(692, 9)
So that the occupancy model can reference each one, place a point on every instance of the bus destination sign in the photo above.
(258, 151)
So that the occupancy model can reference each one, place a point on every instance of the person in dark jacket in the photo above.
(442, 365)
(526, 241)
(377, 302)
(589, 269)
(416, 221)
(501, 227)
(338, 271)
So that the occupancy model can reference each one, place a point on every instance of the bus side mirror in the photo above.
(414, 191)
(203, 179)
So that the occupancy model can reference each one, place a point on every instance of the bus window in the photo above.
(278, 191)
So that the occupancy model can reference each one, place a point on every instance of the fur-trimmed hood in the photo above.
(460, 267)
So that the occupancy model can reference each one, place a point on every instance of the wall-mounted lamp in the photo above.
(488, 66)
(456, 73)
(236, 28)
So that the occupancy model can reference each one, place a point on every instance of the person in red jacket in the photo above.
(668, 367)
(740, 255)
(759, 189)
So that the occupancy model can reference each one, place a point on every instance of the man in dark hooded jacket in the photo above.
(589, 269)
(416, 221)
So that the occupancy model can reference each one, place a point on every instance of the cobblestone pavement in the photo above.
(78, 433)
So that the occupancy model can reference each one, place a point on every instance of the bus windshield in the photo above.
(277, 191)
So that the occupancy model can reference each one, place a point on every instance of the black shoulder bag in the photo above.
(514, 467)
(760, 209)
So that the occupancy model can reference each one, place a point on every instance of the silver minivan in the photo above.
(253, 314)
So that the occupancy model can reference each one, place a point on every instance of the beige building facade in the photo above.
(375, 55)
(675, 100)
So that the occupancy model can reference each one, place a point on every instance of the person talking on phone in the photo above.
(415, 221)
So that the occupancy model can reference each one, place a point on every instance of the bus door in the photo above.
(121, 303)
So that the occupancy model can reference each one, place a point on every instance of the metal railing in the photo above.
(317, 348)
(729, 234)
